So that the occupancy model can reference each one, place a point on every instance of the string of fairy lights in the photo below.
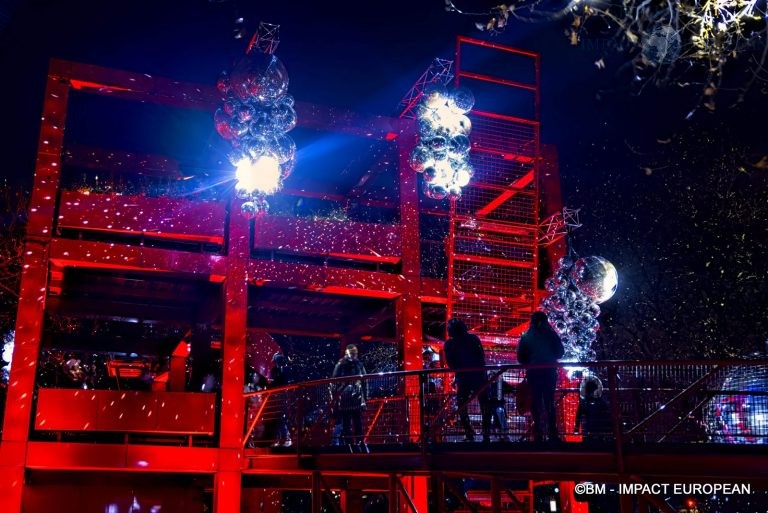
(666, 39)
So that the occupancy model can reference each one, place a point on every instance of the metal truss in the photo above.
(558, 225)
(439, 72)
(266, 39)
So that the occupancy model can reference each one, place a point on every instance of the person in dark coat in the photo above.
(280, 376)
(463, 350)
(350, 396)
(538, 346)
(593, 416)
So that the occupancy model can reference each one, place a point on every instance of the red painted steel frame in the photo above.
(494, 288)
(48, 253)
(119, 216)
(29, 322)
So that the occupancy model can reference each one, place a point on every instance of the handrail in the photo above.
(638, 391)
(563, 365)
(686, 392)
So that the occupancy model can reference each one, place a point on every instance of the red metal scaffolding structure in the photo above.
(492, 243)
(201, 261)
(99, 253)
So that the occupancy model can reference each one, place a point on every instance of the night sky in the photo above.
(672, 192)
(678, 202)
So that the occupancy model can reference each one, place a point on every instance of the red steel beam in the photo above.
(495, 80)
(31, 305)
(103, 255)
(105, 457)
(505, 117)
(162, 217)
(174, 93)
(409, 310)
(90, 157)
(487, 44)
(503, 262)
(320, 278)
(496, 46)
(325, 237)
(513, 189)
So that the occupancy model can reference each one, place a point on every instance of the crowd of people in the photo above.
(455, 398)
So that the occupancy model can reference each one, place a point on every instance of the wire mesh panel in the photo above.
(493, 313)
(499, 204)
(738, 412)
(513, 140)
(492, 250)
(597, 405)
(498, 169)
(270, 416)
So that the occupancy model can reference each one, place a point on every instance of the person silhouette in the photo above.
(280, 375)
(350, 396)
(593, 416)
(463, 350)
(540, 345)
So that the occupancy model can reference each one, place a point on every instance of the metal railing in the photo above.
(709, 402)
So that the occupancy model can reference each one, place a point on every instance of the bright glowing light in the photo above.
(445, 115)
(7, 354)
(260, 175)
(256, 121)
(444, 145)
(462, 177)
(596, 277)
(440, 113)
(572, 372)
(572, 308)
(701, 33)
(435, 100)
(716, 19)
(444, 173)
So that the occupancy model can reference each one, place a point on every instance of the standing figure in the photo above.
(431, 392)
(463, 350)
(254, 382)
(540, 345)
(593, 416)
(350, 396)
(498, 406)
(431, 384)
(280, 376)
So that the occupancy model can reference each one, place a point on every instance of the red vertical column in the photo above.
(409, 305)
(228, 479)
(32, 295)
(551, 202)
(226, 490)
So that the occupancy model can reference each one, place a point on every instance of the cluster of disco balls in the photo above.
(577, 287)
(442, 154)
(740, 414)
(255, 117)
